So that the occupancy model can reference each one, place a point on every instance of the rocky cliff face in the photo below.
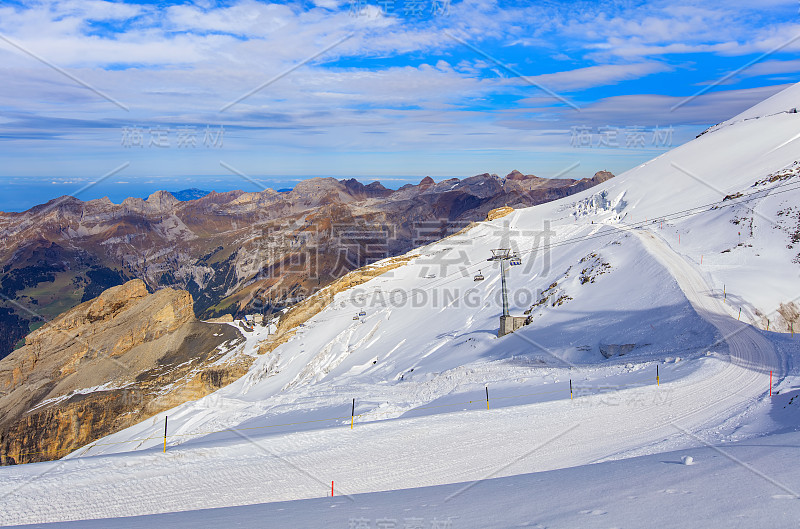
(235, 252)
(106, 364)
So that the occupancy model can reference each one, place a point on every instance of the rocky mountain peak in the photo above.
(162, 197)
(63, 203)
(159, 203)
(426, 182)
(516, 175)
(99, 203)
(115, 298)
(602, 176)
(316, 185)
(317, 190)
(373, 189)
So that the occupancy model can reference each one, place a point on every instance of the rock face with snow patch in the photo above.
(106, 364)
(614, 349)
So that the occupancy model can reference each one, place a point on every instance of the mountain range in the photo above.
(235, 252)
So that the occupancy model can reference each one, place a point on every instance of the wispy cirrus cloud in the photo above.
(600, 75)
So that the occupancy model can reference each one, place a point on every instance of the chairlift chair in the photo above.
(479, 276)
(362, 313)
(515, 260)
(355, 317)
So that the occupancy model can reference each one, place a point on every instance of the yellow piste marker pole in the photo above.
(658, 383)
(353, 414)
(487, 397)
(165, 434)
(570, 389)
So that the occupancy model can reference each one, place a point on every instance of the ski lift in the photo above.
(362, 313)
(355, 318)
(515, 260)
(479, 276)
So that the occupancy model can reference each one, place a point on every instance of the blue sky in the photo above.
(377, 90)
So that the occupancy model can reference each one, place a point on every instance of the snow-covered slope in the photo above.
(782, 102)
(649, 269)
(648, 491)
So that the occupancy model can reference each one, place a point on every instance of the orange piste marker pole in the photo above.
(487, 397)
(658, 383)
(165, 434)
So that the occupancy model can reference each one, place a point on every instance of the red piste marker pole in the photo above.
(331, 488)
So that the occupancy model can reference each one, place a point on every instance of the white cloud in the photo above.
(247, 18)
(653, 109)
(600, 75)
(661, 28)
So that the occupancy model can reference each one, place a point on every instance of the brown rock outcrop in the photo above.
(106, 364)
